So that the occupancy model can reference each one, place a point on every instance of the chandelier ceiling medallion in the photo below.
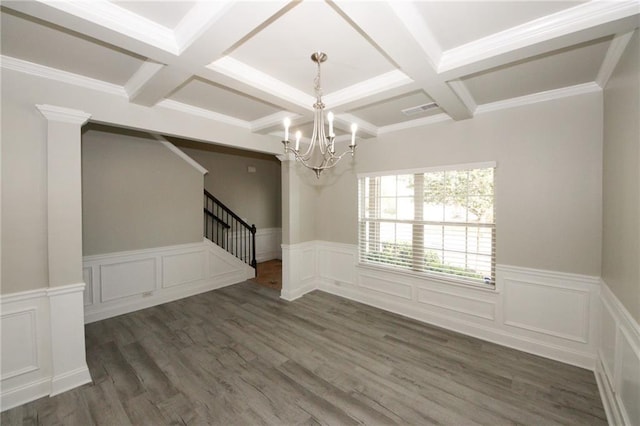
(321, 153)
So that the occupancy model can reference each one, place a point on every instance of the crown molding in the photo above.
(63, 115)
(38, 70)
(614, 53)
(363, 126)
(120, 20)
(372, 86)
(273, 119)
(412, 20)
(418, 122)
(197, 20)
(248, 75)
(205, 113)
(549, 95)
(568, 21)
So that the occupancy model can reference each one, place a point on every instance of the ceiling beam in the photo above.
(586, 22)
(203, 40)
(389, 32)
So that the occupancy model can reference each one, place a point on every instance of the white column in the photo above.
(64, 231)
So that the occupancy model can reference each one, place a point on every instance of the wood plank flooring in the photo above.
(242, 356)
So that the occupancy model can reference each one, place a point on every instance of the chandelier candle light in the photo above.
(322, 148)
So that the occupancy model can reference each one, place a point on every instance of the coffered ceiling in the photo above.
(248, 63)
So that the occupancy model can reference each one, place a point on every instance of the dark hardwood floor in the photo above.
(241, 356)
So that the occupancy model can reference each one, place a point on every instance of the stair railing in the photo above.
(228, 230)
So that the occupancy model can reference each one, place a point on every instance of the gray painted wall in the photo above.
(548, 179)
(621, 187)
(136, 194)
(254, 196)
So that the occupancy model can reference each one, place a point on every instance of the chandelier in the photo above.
(321, 153)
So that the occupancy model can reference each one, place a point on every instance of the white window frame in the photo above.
(425, 273)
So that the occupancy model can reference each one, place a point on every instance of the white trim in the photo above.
(141, 77)
(549, 95)
(611, 59)
(120, 20)
(248, 75)
(568, 21)
(28, 392)
(466, 166)
(197, 21)
(272, 120)
(418, 122)
(626, 332)
(464, 94)
(412, 20)
(63, 115)
(381, 83)
(215, 268)
(465, 309)
(38, 70)
(171, 147)
(205, 113)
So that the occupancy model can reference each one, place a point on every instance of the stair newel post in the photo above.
(253, 249)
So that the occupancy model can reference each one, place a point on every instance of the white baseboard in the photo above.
(618, 367)
(508, 314)
(124, 282)
(43, 351)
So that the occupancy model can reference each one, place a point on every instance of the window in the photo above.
(437, 222)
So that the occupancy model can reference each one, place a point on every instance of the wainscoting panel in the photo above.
(268, 241)
(128, 281)
(550, 309)
(183, 268)
(384, 287)
(473, 306)
(127, 278)
(618, 368)
(19, 343)
(299, 269)
(25, 351)
(542, 312)
(42, 343)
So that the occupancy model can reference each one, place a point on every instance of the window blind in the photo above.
(438, 222)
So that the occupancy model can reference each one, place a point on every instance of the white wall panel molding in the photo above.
(127, 281)
(618, 366)
(42, 348)
(268, 242)
(299, 269)
(548, 313)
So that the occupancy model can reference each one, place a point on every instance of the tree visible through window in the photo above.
(434, 222)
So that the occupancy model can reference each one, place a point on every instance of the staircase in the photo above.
(227, 230)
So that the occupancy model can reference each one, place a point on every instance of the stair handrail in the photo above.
(228, 247)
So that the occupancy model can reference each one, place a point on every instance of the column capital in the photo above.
(64, 115)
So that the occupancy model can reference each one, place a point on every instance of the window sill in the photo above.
(490, 288)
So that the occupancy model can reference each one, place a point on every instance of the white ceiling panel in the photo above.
(564, 68)
(212, 97)
(35, 41)
(166, 13)
(381, 54)
(389, 111)
(454, 23)
(283, 50)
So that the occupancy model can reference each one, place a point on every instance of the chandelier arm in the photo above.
(327, 157)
